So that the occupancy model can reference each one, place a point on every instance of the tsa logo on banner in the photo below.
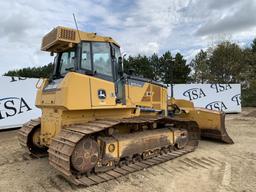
(194, 93)
(12, 106)
(221, 97)
(216, 105)
(236, 99)
(221, 87)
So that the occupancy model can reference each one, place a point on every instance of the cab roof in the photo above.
(63, 38)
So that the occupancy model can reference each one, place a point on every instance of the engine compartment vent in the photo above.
(68, 34)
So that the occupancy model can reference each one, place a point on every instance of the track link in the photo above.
(25, 134)
(63, 144)
(25, 130)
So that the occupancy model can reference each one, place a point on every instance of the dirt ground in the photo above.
(212, 167)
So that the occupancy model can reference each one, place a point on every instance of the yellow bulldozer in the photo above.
(99, 123)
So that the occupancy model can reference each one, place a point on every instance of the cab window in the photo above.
(67, 62)
(102, 59)
(117, 52)
(116, 64)
(86, 57)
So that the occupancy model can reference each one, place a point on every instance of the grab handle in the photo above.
(39, 83)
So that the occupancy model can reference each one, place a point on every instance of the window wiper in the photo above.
(69, 69)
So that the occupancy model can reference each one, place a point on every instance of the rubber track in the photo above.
(63, 144)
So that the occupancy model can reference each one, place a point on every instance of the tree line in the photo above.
(32, 72)
(226, 62)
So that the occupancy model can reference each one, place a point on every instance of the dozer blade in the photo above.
(218, 132)
(211, 123)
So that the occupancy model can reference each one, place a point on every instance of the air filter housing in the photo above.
(59, 39)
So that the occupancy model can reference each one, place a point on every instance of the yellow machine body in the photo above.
(71, 103)
(75, 98)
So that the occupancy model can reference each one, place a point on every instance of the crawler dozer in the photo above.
(97, 122)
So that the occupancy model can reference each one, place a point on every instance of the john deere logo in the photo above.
(11, 106)
(102, 94)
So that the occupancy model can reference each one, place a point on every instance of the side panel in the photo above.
(77, 92)
(72, 93)
(146, 95)
(102, 92)
(137, 94)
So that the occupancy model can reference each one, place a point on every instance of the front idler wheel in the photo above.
(85, 155)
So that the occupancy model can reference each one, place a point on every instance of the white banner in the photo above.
(17, 98)
(221, 97)
(17, 101)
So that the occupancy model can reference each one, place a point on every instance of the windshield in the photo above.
(102, 58)
(67, 62)
(95, 58)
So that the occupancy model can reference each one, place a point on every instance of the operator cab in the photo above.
(98, 59)
(84, 53)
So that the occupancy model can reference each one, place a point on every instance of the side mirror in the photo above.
(120, 66)
(52, 54)
(113, 51)
(131, 72)
(120, 60)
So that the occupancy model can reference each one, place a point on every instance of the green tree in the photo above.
(34, 72)
(200, 67)
(249, 94)
(166, 68)
(249, 64)
(156, 67)
(173, 69)
(228, 63)
(166, 64)
(181, 70)
(225, 63)
(253, 45)
(141, 66)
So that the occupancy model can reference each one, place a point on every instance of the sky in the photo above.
(139, 26)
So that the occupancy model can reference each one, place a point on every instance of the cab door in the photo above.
(102, 84)
(118, 76)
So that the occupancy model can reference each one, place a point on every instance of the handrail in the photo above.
(38, 81)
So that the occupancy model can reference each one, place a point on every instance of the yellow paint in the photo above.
(149, 95)
(205, 118)
(100, 84)
(76, 100)
(64, 38)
